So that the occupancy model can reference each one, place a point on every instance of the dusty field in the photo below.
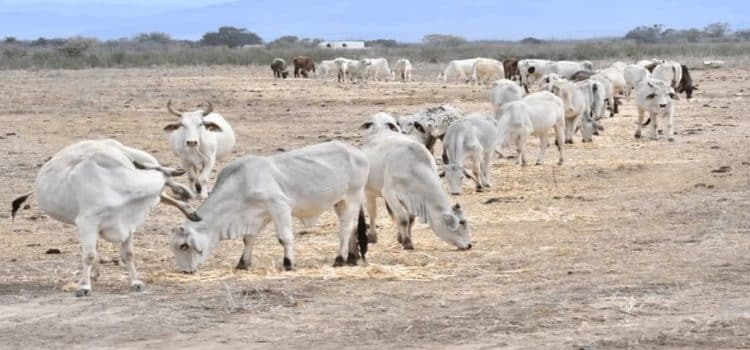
(630, 244)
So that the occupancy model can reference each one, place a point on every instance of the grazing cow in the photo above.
(342, 65)
(377, 68)
(302, 65)
(402, 70)
(531, 70)
(577, 112)
(106, 189)
(609, 94)
(357, 70)
(326, 68)
(404, 173)
(543, 111)
(510, 66)
(430, 125)
(504, 91)
(595, 95)
(616, 78)
(474, 136)
(458, 69)
(486, 70)
(199, 139)
(253, 191)
(633, 75)
(677, 76)
(650, 64)
(656, 97)
(278, 66)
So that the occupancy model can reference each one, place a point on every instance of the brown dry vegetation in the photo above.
(630, 244)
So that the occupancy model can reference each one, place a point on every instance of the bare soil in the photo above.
(630, 244)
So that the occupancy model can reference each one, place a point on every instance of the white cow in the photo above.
(404, 173)
(199, 139)
(377, 68)
(657, 98)
(357, 70)
(615, 77)
(619, 65)
(458, 69)
(504, 91)
(342, 65)
(486, 70)
(633, 75)
(609, 93)
(474, 136)
(326, 68)
(253, 191)
(402, 70)
(577, 111)
(566, 69)
(595, 96)
(532, 70)
(106, 189)
(669, 72)
(543, 111)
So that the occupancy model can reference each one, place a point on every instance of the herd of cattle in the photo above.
(107, 189)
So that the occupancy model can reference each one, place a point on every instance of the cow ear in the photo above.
(441, 174)
(211, 126)
(366, 125)
(674, 96)
(695, 87)
(419, 127)
(650, 96)
(649, 84)
(393, 127)
(172, 127)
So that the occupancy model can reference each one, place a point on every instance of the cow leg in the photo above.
(281, 215)
(126, 255)
(543, 144)
(639, 124)
(246, 259)
(486, 164)
(570, 124)
(654, 125)
(372, 212)
(670, 134)
(203, 177)
(347, 211)
(476, 168)
(402, 218)
(521, 149)
(87, 235)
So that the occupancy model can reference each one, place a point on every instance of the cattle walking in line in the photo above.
(254, 191)
(199, 139)
(106, 190)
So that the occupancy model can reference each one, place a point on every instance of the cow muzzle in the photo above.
(662, 105)
(191, 143)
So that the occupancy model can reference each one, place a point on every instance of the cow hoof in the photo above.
(480, 189)
(595, 133)
(339, 261)
(372, 238)
(637, 135)
(137, 286)
(560, 162)
(288, 264)
(570, 142)
(670, 139)
(352, 259)
(241, 265)
(83, 292)
(407, 244)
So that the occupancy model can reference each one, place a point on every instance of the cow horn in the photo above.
(172, 110)
(210, 108)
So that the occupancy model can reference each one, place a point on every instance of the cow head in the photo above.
(453, 228)
(189, 247)
(192, 125)
(379, 122)
(658, 94)
(455, 173)
(284, 74)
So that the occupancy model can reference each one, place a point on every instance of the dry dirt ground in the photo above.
(630, 244)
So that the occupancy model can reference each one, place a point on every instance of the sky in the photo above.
(402, 20)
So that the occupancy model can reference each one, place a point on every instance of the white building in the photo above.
(354, 45)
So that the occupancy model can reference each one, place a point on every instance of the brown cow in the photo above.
(510, 65)
(278, 66)
(302, 65)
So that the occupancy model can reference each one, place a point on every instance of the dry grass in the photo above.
(629, 244)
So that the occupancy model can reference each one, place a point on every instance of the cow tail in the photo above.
(362, 234)
(16, 204)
